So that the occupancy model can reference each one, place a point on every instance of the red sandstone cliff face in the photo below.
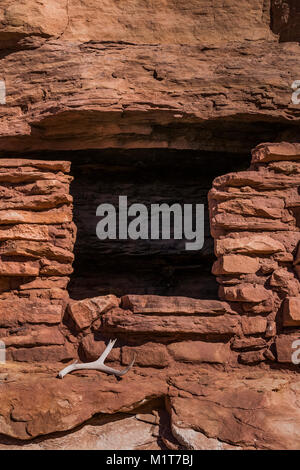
(206, 79)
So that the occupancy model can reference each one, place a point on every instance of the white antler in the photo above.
(97, 365)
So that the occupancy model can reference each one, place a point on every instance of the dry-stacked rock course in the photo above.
(187, 350)
(36, 253)
(256, 225)
(195, 76)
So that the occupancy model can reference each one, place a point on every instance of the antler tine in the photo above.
(124, 371)
(67, 369)
(107, 350)
(97, 365)
(119, 373)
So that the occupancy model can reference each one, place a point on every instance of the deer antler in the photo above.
(97, 365)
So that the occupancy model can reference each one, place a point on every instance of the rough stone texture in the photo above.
(58, 403)
(284, 347)
(122, 321)
(19, 312)
(209, 409)
(273, 289)
(154, 304)
(84, 312)
(79, 20)
(291, 311)
(120, 432)
(198, 352)
(37, 238)
(146, 355)
(118, 107)
(257, 412)
(191, 76)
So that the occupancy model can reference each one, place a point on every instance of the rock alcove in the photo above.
(185, 94)
(146, 176)
(252, 321)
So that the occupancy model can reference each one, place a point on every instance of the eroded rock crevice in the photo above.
(285, 19)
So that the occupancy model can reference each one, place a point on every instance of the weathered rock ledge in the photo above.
(209, 408)
(197, 76)
(222, 98)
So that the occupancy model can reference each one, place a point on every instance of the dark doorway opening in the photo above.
(161, 267)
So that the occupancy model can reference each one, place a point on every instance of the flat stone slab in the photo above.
(236, 410)
(34, 402)
(209, 408)
(123, 321)
(156, 304)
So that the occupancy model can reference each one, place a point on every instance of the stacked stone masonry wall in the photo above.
(36, 253)
(255, 221)
(254, 218)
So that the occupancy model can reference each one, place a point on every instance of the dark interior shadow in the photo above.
(161, 267)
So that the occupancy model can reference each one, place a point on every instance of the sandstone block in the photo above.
(34, 249)
(251, 357)
(52, 216)
(244, 293)
(284, 348)
(37, 203)
(254, 325)
(267, 266)
(291, 311)
(155, 304)
(42, 354)
(233, 222)
(273, 152)
(267, 306)
(54, 165)
(199, 351)
(146, 355)
(15, 312)
(256, 206)
(258, 180)
(84, 312)
(285, 281)
(39, 337)
(248, 343)
(92, 349)
(283, 257)
(44, 283)
(15, 268)
(125, 321)
(24, 232)
(53, 268)
(256, 244)
(235, 264)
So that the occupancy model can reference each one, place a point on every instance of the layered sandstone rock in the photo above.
(187, 76)
(176, 23)
(36, 255)
(255, 222)
(138, 96)
(216, 412)
(171, 337)
(209, 409)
